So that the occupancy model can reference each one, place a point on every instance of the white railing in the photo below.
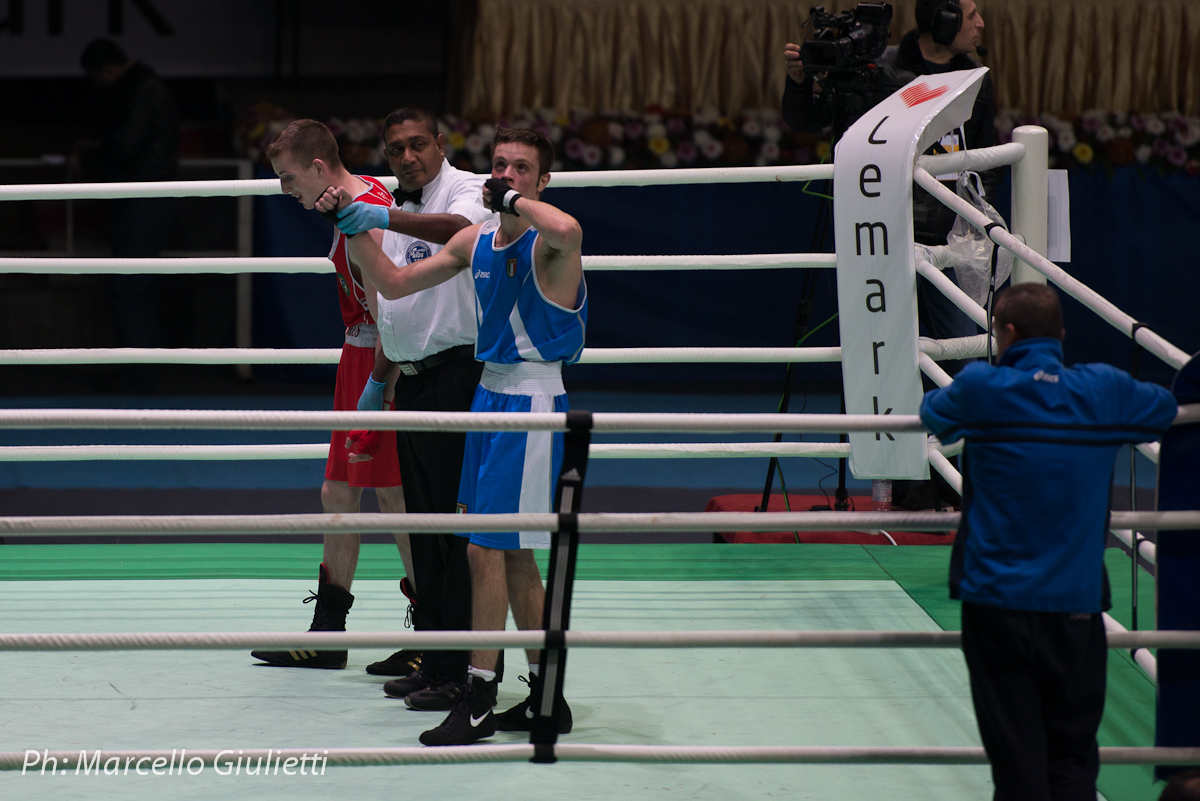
(938, 349)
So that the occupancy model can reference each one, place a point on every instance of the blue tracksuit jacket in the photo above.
(1041, 439)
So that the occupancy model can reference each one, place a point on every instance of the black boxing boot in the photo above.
(470, 719)
(333, 604)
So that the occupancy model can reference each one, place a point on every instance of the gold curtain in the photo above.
(1063, 56)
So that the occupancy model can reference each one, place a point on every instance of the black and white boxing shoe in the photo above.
(471, 719)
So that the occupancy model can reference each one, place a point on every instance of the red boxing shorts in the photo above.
(383, 468)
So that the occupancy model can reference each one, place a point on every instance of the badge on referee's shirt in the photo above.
(512, 268)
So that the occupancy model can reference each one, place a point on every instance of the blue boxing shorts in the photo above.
(511, 471)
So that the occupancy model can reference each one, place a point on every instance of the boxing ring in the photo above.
(567, 523)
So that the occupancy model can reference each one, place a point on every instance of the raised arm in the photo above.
(394, 282)
(559, 230)
(558, 261)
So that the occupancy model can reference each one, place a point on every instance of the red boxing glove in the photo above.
(364, 444)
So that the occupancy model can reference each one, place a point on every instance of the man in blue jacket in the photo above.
(1028, 562)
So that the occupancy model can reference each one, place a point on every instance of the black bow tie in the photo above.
(401, 196)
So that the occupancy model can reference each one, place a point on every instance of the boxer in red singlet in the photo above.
(305, 157)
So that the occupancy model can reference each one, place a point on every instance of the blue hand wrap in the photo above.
(371, 399)
(360, 216)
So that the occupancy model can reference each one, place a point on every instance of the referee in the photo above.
(431, 339)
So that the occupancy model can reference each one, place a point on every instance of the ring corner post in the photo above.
(1030, 197)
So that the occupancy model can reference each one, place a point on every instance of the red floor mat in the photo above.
(802, 503)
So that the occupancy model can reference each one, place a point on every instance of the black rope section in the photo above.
(991, 287)
(547, 703)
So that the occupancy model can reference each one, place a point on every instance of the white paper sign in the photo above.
(876, 271)
(1058, 211)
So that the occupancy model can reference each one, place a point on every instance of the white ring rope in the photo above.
(109, 191)
(970, 347)
(469, 640)
(952, 291)
(602, 422)
(580, 752)
(717, 450)
(172, 266)
(379, 523)
(710, 355)
(958, 348)
(758, 261)
(1148, 339)
(270, 186)
(614, 422)
(697, 175)
(947, 450)
(332, 355)
(1146, 549)
(320, 450)
(589, 522)
(1141, 655)
(172, 356)
(936, 374)
(984, 158)
(940, 463)
(173, 453)
(318, 264)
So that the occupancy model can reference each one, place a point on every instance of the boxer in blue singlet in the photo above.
(531, 306)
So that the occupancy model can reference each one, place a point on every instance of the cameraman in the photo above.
(810, 109)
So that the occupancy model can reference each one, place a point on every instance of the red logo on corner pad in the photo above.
(915, 95)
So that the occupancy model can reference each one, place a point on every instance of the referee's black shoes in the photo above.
(401, 663)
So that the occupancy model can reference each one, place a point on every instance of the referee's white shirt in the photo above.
(442, 317)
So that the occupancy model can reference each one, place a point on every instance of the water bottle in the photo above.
(881, 494)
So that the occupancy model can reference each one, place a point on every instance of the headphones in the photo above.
(944, 22)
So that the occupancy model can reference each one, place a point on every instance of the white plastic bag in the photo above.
(969, 250)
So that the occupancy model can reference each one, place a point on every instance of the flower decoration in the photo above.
(1105, 140)
(1095, 140)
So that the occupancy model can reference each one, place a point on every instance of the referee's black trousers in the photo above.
(430, 468)
(1037, 680)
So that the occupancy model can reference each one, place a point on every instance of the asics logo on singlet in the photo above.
(417, 251)
(1042, 375)
(482, 274)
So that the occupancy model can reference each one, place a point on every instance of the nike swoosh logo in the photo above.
(475, 721)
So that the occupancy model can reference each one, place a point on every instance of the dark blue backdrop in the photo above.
(1131, 242)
